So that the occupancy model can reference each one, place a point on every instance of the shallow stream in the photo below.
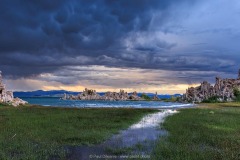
(136, 142)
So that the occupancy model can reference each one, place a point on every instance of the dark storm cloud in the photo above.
(45, 36)
(29, 26)
(34, 32)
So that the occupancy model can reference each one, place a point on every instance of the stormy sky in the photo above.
(143, 45)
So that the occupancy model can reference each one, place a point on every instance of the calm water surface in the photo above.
(95, 104)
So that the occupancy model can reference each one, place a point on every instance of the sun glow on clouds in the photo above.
(102, 79)
(76, 88)
(168, 89)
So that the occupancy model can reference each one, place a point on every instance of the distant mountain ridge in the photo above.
(60, 93)
(41, 93)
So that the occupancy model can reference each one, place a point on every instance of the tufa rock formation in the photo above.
(114, 96)
(89, 94)
(135, 97)
(7, 96)
(223, 90)
(155, 97)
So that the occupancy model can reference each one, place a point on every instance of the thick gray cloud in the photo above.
(49, 36)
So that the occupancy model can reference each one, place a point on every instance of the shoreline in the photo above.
(99, 108)
(128, 100)
(48, 102)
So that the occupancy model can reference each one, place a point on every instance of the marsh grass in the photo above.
(209, 132)
(29, 132)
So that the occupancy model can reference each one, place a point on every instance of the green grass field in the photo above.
(209, 132)
(39, 132)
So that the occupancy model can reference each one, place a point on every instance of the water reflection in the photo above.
(139, 139)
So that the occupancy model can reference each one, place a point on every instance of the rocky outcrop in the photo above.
(89, 94)
(7, 96)
(116, 96)
(17, 101)
(223, 90)
(135, 97)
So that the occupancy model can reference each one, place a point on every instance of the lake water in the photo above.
(56, 102)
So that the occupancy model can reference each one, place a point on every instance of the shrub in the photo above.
(146, 97)
(213, 99)
(172, 99)
(237, 99)
(236, 92)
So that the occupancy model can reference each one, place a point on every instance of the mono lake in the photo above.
(56, 102)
